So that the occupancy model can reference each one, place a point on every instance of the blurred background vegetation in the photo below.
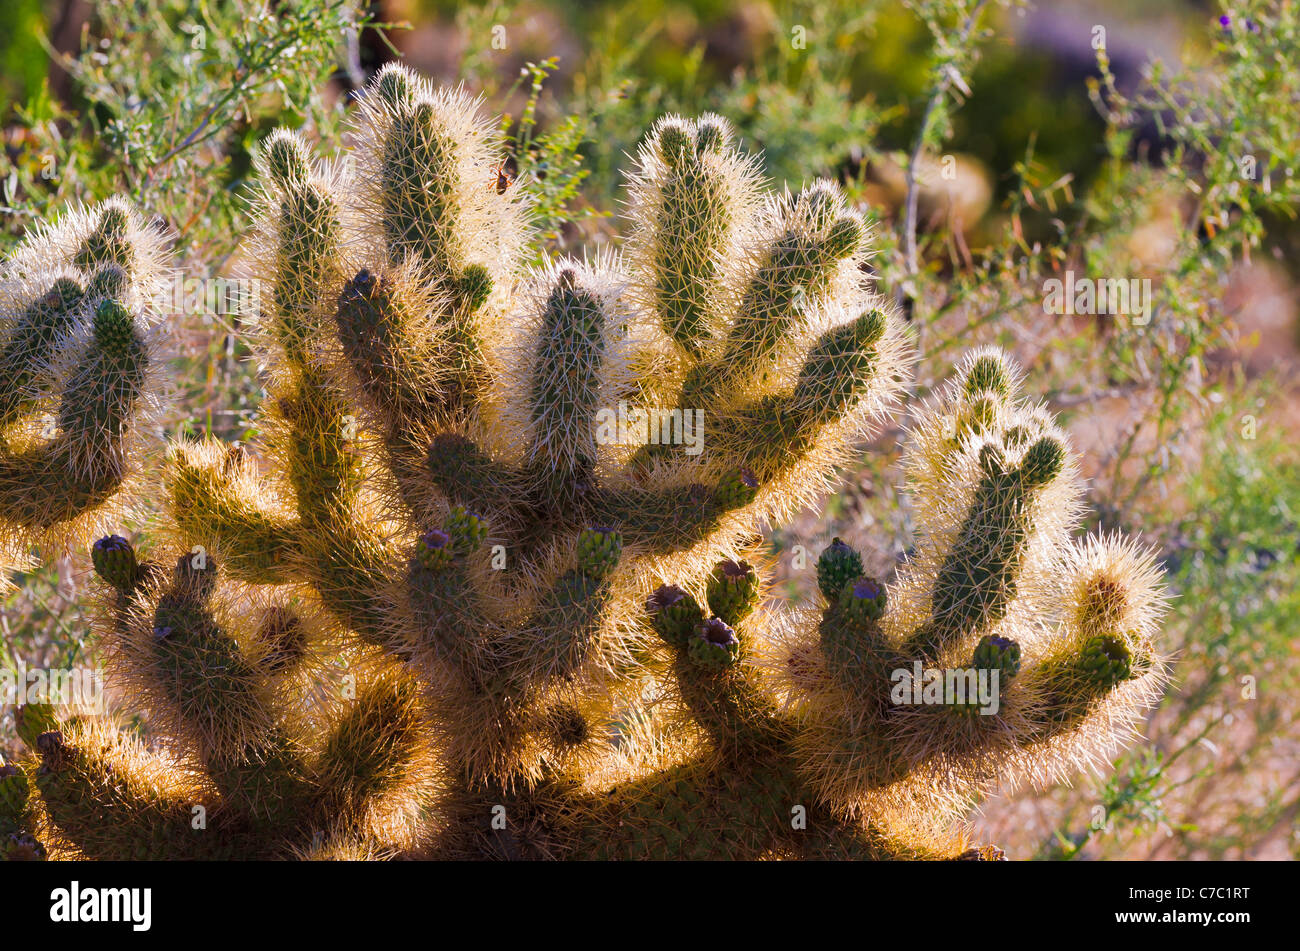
(1116, 139)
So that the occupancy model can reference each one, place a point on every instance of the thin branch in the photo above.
(918, 146)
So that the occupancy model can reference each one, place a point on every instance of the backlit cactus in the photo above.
(998, 588)
(78, 375)
(493, 589)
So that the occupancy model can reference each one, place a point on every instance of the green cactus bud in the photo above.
(844, 238)
(711, 134)
(434, 550)
(599, 550)
(1106, 660)
(114, 329)
(978, 415)
(1043, 462)
(863, 601)
(997, 653)
(475, 286)
(988, 374)
(674, 143)
(111, 280)
(674, 614)
(285, 160)
(394, 88)
(733, 590)
(714, 646)
(737, 489)
(114, 561)
(821, 204)
(1017, 436)
(992, 461)
(65, 293)
(467, 530)
(838, 565)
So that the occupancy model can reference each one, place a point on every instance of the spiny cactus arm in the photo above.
(312, 426)
(352, 574)
(83, 465)
(564, 629)
(675, 517)
(447, 618)
(420, 184)
(691, 196)
(108, 798)
(265, 783)
(977, 581)
(318, 442)
(857, 653)
(215, 496)
(815, 243)
(303, 238)
(564, 389)
(86, 240)
(373, 752)
(470, 477)
(203, 687)
(311, 429)
(396, 369)
(196, 674)
(771, 434)
(1103, 660)
(216, 501)
(431, 180)
(30, 344)
(727, 702)
(498, 676)
(514, 663)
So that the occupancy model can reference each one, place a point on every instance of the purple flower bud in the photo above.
(435, 539)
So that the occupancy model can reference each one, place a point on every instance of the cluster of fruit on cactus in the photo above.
(437, 611)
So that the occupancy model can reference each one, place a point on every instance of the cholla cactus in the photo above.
(457, 610)
(77, 375)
